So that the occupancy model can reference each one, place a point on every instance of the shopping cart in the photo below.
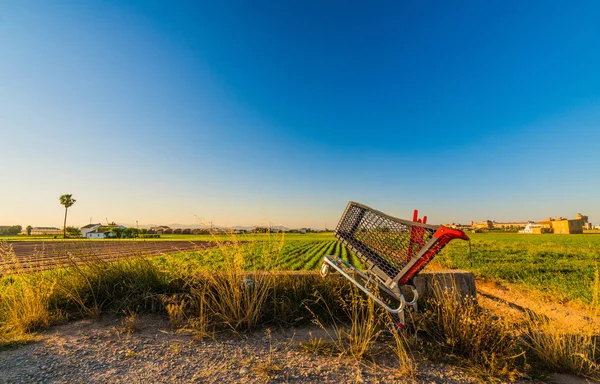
(392, 250)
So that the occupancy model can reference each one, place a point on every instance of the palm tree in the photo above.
(67, 201)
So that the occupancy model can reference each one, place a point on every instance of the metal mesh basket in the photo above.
(394, 250)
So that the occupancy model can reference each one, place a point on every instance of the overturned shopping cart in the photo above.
(392, 250)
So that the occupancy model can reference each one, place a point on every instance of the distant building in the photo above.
(558, 225)
(103, 231)
(220, 231)
(534, 228)
(562, 225)
(97, 233)
(567, 226)
(89, 228)
(39, 231)
(482, 224)
(510, 224)
(160, 230)
(584, 219)
(546, 223)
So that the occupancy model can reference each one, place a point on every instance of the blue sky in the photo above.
(245, 113)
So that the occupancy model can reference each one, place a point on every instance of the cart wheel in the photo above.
(325, 270)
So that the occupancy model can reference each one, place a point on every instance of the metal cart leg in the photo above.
(342, 267)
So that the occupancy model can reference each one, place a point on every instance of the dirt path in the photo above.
(100, 351)
(509, 300)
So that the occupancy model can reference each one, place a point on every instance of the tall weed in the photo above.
(577, 352)
(460, 327)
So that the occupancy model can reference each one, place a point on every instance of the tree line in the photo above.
(10, 230)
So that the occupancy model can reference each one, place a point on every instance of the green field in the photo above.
(563, 265)
(292, 252)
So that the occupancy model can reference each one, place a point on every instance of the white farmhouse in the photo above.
(103, 231)
(89, 228)
(97, 234)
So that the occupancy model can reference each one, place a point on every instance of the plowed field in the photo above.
(35, 256)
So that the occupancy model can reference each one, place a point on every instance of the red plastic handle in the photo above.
(451, 233)
(444, 236)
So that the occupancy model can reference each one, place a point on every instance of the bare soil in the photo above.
(101, 351)
(40, 255)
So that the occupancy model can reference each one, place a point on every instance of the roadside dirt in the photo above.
(101, 351)
(513, 302)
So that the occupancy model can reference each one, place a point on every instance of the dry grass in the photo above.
(354, 338)
(575, 351)
(400, 347)
(24, 301)
(130, 322)
(236, 299)
(362, 333)
(239, 297)
(558, 351)
(365, 325)
(318, 346)
(176, 312)
(267, 368)
(199, 321)
(24, 306)
(204, 301)
(486, 343)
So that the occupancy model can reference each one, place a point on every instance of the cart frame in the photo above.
(393, 250)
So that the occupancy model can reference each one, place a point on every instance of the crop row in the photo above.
(293, 256)
(302, 255)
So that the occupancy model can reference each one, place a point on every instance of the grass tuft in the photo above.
(559, 351)
(460, 327)
(267, 368)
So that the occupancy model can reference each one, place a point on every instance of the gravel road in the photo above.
(100, 351)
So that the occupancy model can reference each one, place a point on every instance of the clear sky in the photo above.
(249, 112)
